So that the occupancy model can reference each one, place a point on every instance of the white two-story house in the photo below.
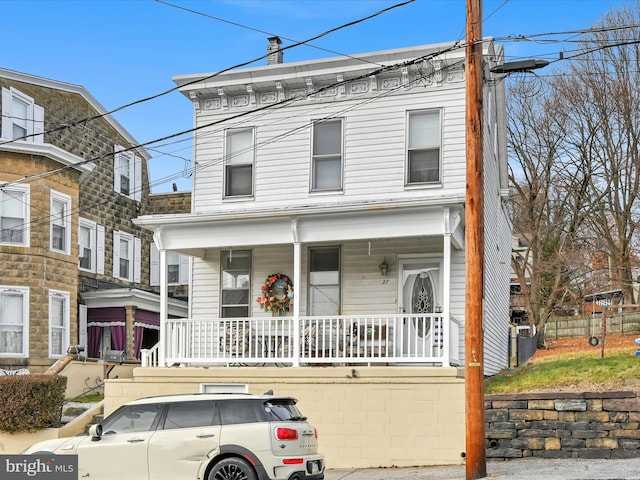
(328, 230)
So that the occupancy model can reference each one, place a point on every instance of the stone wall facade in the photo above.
(563, 425)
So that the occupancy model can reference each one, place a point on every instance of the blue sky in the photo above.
(125, 50)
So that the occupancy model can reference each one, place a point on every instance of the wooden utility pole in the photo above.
(476, 462)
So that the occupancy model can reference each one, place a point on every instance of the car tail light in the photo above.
(283, 433)
(292, 461)
(315, 432)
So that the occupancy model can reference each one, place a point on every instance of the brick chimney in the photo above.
(273, 50)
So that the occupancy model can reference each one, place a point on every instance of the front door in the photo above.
(419, 293)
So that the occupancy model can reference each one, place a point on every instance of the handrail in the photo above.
(341, 339)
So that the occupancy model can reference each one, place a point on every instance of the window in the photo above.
(90, 246)
(14, 315)
(235, 412)
(327, 156)
(126, 256)
(177, 267)
(14, 215)
(60, 222)
(191, 415)
(127, 173)
(423, 156)
(22, 119)
(132, 418)
(238, 164)
(324, 281)
(58, 323)
(236, 282)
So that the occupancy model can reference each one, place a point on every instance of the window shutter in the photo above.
(38, 124)
(137, 175)
(7, 126)
(185, 261)
(116, 254)
(82, 326)
(100, 249)
(137, 259)
(116, 167)
(154, 254)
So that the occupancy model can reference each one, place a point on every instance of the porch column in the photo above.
(164, 307)
(446, 280)
(297, 272)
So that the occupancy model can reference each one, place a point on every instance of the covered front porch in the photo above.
(344, 308)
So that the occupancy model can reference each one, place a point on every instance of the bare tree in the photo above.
(574, 145)
(602, 109)
(548, 189)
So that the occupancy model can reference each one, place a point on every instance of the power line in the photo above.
(213, 75)
(116, 195)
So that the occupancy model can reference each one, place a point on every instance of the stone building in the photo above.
(75, 269)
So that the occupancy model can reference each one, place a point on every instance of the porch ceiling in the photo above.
(192, 234)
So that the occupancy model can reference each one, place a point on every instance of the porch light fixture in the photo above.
(384, 268)
(438, 309)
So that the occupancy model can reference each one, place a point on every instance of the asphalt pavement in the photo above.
(521, 469)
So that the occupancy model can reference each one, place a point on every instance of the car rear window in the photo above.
(233, 412)
(282, 410)
(190, 414)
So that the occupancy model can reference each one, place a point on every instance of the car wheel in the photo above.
(232, 469)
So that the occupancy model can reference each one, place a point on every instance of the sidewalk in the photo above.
(522, 469)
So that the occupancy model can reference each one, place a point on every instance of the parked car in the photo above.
(198, 436)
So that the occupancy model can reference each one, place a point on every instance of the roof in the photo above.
(205, 396)
(79, 90)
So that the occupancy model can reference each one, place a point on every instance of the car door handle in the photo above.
(135, 440)
(206, 435)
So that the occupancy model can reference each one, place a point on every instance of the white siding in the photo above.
(374, 150)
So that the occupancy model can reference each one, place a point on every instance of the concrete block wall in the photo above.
(563, 425)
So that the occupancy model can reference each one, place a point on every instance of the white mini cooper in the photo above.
(199, 437)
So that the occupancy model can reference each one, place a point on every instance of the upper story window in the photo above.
(90, 246)
(326, 169)
(235, 281)
(177, 267)
(127, 173)
(58, 323)
(238, 163)
(14, 215)
(14, 321)
(22, 119)
(60, 222)
(126, 256)
(423, 152)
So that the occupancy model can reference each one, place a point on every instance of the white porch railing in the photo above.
(380, 339)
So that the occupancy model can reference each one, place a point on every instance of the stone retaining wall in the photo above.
(563, 425)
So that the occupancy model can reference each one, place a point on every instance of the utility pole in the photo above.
(476, 462)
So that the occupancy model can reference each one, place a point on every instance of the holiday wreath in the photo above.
(277, 294)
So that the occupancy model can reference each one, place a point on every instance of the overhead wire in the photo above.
(213, 75)
(115, 195)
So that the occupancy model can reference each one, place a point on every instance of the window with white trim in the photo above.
(235, 282)
(90, 246)
(238, 163)
(126, 256)
(14, 215)
(326, 169)
(423, 147)
(60, 219)
(127, 173)
(14, 321)
(22, 119)
(177, 267)
(58, 323)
